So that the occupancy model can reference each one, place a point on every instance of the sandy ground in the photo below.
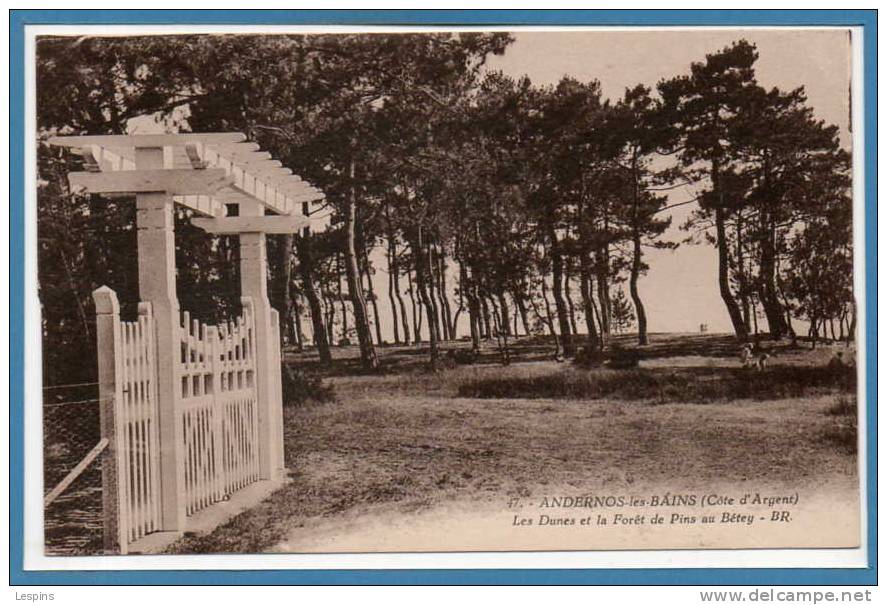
(400, 462)
(469, 459)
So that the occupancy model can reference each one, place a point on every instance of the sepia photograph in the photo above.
(447, 290)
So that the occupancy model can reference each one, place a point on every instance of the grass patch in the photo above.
(666, 386)
(300, 388)
(843, 406)
(842, 434)
(842, 430)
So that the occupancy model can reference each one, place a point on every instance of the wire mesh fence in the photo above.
(71, 429)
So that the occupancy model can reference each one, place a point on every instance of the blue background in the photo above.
(21, 18)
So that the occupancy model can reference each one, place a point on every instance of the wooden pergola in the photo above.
(206, 172)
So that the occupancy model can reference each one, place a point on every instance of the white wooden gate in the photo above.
(217, 404)
(219, 408)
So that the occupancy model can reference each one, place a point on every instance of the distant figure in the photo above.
(703, 328)
(752, 357)
(747, 356)
(837, 362)
(761, 361)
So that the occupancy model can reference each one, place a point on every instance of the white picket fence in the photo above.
(218, 403)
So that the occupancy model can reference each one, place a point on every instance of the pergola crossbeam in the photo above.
(148, 140)
(174, 181)
(252, 224)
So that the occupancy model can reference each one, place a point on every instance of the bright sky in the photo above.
(680, 289)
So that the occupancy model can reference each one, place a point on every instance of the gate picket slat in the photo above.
(136, 454)
(143, 463)
(151, 443)
(127, 419)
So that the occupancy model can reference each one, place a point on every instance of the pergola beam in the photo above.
(252, 224)
(149, 140)
(172, 181)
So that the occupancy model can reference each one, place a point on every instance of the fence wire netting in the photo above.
(71, 429)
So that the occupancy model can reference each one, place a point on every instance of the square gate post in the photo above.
(115, 515)
(253, 283)
(157, 285)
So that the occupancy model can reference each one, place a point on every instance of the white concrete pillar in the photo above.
(254, 283)
(157, 285)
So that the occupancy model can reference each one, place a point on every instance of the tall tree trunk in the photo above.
(461, 307)
(468, 290)
(494, 312)
(814, 331)
(520, 304)
(788, 320)
(446, 312)
(487, 332)
(367, 350)
(754, 317)
(637, 256)
(394, 271)
(404, 320)
(298, 335)
(422, 285)
(639, 310)
(417, 317)
(791, 329)
(500, 319)
(340, 296)
(306, 272)
(282, 298)
(392, 267)
(457, 314)
(851, 323)
(329, 313)
(585, 287)
(330, 303)
(516, 331)
(432, 297)
(568, 294)
(744, 290)
(550, 318)
(557, 273)
(434, 270)
(739, 326)
(767, 292)
(505, 317)
(372, 296)
(602, 258)
(434, 289)
(543, 321)
(767, 270)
